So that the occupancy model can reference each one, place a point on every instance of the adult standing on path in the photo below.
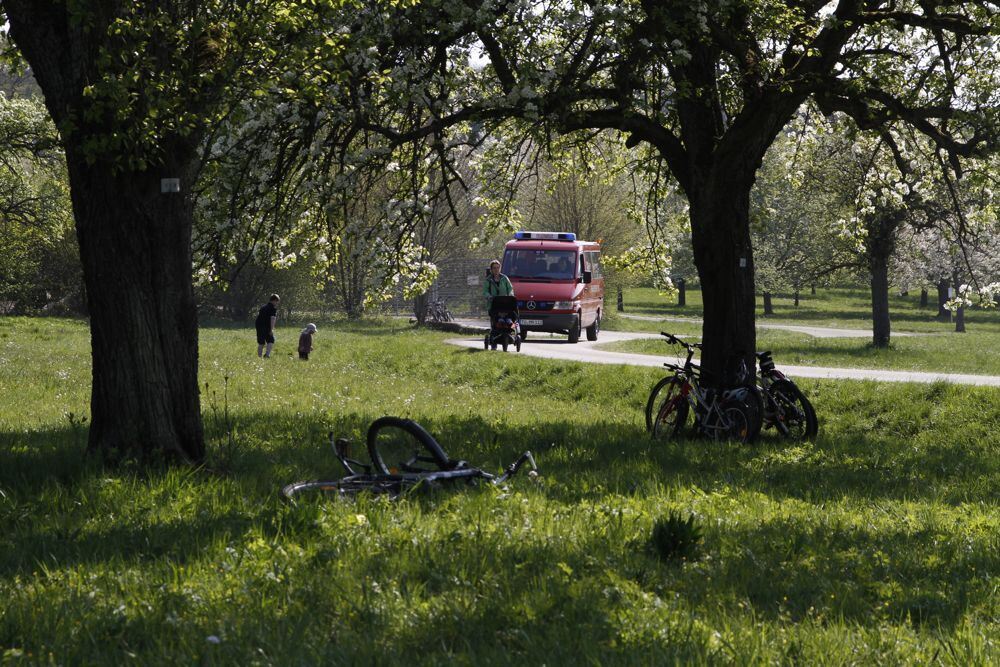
(496, 284)
(266, 319)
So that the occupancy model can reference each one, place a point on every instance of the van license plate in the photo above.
(531, 323)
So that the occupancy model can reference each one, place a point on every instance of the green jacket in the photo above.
(496, 287)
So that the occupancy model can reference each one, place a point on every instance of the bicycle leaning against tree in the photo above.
(733, 413)
(786, 408)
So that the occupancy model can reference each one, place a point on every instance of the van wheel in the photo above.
(574, 331)
(594, 328)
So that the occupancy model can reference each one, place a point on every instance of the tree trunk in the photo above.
(724, 258)
(621, 300)
(796, 297)
(923, 298)
(135, 246)
(681, 293)
(960, 312)
(768, 304)
(881, 328)
(812, 290)
(879, 246)
(944, 315)
(420, 308)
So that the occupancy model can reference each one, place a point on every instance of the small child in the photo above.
(306, 341)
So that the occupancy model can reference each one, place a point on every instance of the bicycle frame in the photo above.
(707, 404)
(395, 484)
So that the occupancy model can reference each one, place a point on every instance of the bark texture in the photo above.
(135, 247)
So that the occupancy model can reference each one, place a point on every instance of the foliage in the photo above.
(38, 264)
(797, 206)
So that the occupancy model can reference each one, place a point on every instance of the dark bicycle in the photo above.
(403, 456)
(786, 408)
(437, 311)
(735, 413)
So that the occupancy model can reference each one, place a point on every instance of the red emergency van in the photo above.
(557, 281)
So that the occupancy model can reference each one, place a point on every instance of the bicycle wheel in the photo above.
(402, 446)
(750, 396)
(670, 418)
(795, 417)
(668, 386)
(738, 421)
(340, 488)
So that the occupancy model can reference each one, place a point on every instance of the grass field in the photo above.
(846, 308)
(878, 543)
(939, 348)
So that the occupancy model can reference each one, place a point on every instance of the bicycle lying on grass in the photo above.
(403, 456)
(735, 413)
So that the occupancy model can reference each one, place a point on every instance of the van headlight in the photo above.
(564, 305)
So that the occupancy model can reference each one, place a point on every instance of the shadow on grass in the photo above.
(583, 461)
(44, 473)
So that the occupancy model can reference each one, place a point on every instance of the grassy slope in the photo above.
(944, 351)
(878, 543)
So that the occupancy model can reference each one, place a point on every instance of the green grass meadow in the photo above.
(877, 544)
(938, 348)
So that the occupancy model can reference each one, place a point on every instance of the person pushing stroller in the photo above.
(496, 284)
(502, 307)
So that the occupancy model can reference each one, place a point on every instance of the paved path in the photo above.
(818, 332)
(540, 345)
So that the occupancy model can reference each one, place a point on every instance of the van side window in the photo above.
(593, 264)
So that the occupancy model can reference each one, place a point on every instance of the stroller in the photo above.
(505, 325)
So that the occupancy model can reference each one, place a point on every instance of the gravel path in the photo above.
(540, 345)
(818, 332)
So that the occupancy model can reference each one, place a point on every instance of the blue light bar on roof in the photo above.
(545, 236)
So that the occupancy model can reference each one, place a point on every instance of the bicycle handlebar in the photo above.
(674, 340)
(516, 465)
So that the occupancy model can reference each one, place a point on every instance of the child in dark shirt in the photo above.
(306, 341)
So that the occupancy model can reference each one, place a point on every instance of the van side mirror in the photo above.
(588, 276)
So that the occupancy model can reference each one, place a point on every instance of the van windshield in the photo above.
(540, 265)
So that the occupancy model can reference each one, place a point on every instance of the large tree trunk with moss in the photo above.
(135, 245)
